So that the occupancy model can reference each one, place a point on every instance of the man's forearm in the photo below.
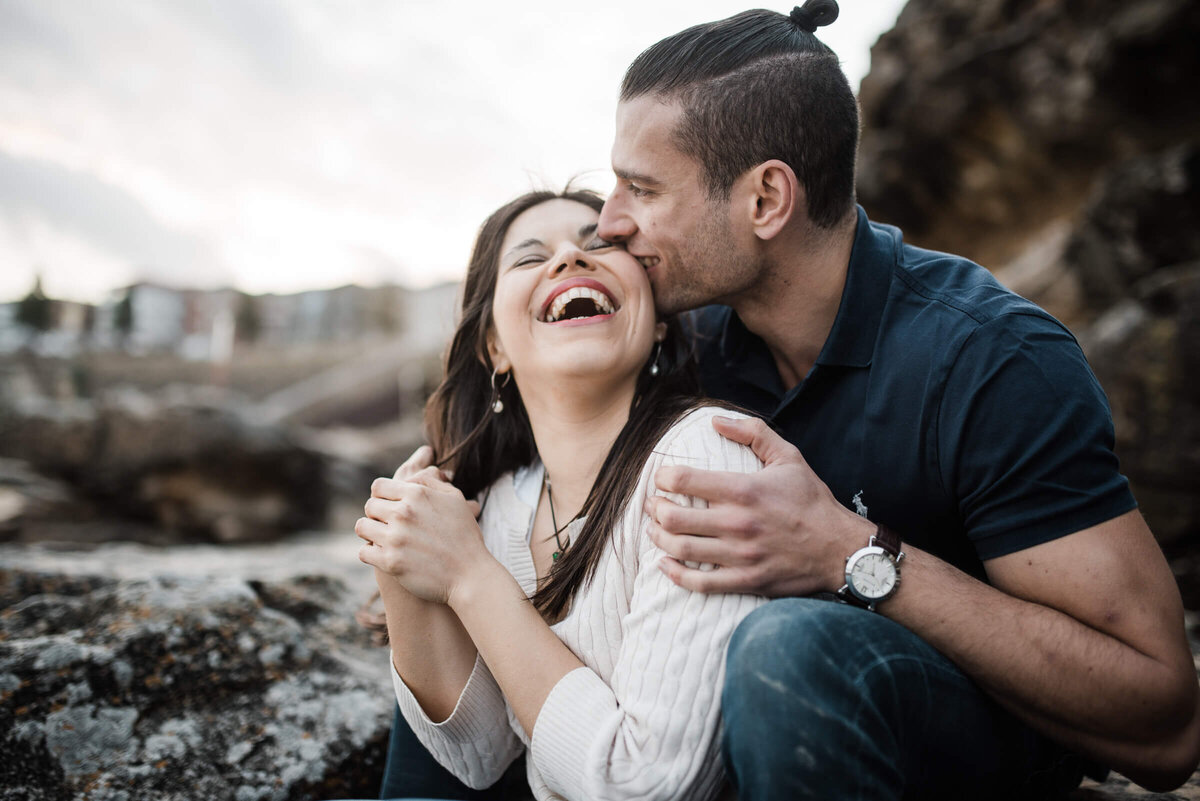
(1085, 688)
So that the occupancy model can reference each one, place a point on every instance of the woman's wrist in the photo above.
(483, 579)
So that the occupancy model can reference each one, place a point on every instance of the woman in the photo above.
(563, 395)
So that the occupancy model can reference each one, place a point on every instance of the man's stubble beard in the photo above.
(711, 271)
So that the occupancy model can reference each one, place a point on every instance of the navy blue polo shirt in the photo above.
(961, 415)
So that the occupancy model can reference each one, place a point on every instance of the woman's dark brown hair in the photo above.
(479, 446)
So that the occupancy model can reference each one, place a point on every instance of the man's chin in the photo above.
(668, 303)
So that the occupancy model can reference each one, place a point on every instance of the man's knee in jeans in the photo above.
(794, 643)
(810, 683)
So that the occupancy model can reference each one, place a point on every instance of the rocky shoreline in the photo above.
(223, 672)
(232, 672)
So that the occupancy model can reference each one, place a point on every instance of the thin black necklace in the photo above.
(554, 557)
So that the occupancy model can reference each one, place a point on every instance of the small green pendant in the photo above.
(555, 556)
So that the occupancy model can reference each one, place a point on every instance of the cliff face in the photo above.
(1058, 143)
(985, 121)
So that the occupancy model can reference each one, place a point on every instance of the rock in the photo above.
(185, 687)
(184, 468)
(1146, 353)
(983, 122)
(27, 497)
(1141, 217)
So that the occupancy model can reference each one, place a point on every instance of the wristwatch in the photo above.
(873, 572)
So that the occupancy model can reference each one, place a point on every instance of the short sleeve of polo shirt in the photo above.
(1025, 437)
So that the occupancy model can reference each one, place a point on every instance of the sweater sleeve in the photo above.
(475, 743)
(652, 732)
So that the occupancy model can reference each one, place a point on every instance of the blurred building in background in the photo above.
(148, 318)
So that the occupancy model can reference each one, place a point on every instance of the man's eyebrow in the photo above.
(528, 243)
(636, 177)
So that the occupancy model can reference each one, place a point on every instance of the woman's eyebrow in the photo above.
(528, 243)
(585, 231)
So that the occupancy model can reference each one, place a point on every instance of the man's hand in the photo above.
(778, 532)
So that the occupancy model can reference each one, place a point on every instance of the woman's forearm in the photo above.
(524, 655)
(431, 650)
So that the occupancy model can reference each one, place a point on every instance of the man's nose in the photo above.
(615, 224)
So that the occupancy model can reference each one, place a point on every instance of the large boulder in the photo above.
(986, 122)
(212, 686)
(1142, 216)
(1146, 352)
(186, 468)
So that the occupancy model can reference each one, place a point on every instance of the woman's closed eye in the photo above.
(532, 258)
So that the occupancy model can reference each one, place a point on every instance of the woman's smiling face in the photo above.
(567, 303)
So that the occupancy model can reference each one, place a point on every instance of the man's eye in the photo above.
(598, 244)
(637, 191)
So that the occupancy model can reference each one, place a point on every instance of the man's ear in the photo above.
(496, 353)
(771, 195)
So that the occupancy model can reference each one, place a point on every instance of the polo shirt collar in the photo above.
(851, 341)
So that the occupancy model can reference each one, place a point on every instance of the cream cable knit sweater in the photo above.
(642, 719)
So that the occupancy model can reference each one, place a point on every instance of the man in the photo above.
(1036, 618)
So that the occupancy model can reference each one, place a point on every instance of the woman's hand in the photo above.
(422, 531)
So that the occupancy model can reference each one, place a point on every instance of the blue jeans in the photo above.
(411, 773)
(828, 701)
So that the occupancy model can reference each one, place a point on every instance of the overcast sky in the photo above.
(280, 145)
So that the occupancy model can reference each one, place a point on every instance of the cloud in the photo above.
(35, 192)
(285, 139)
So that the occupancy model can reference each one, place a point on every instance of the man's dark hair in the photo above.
(758, 86)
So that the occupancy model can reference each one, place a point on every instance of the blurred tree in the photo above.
(383, 310)
(33, 311)
(123, 315)
(248, 319)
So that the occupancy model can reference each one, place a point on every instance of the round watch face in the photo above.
(873, 575)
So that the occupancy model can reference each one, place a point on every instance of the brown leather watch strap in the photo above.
(887, 539)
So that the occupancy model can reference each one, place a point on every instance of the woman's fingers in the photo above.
(389, 489)
(415, 486)
(370, 530)
(422, 457)
(384, 511)
(432, 477)
(373, 555)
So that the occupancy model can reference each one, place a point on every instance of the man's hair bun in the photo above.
(814, 14)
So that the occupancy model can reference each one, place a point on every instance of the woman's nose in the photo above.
(570, 259)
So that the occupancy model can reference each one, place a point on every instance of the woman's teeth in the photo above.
(600, 302)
